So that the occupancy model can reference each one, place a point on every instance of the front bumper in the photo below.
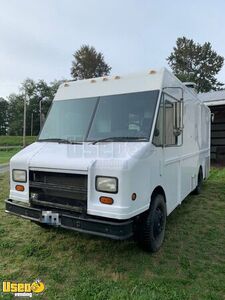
(114, 229)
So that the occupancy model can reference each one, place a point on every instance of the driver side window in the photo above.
(170, 116)
(167, 132)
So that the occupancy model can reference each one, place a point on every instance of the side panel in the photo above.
(171, 177)
(190, 159)
(205, 139)
(180, 165)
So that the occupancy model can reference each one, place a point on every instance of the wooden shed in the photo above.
(215, 100)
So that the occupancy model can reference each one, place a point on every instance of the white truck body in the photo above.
(141, 167)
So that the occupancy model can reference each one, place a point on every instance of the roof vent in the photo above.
(191, 85)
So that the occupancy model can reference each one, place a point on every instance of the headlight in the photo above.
(106, 184)
(19, 175)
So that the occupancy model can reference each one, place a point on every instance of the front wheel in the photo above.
(151, 228)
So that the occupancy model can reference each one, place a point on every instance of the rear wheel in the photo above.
(198, 188)
(151, 228)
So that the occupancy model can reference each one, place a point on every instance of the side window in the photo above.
(168, 129)
(170, 111)
(173, 127)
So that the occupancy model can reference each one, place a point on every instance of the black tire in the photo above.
(151, 227)
(198, 188)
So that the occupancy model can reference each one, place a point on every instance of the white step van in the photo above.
(115, 157)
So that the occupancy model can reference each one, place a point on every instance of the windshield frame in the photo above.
(93, 114)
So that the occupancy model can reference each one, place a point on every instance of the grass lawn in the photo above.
(5, 155)
(15, 140)
(191, 264)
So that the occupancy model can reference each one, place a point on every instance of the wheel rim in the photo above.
(158, 225)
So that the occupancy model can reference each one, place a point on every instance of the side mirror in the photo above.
(177, 132)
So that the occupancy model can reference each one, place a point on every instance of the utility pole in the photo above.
(24, 119)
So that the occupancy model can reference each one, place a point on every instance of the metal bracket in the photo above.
(49, 217)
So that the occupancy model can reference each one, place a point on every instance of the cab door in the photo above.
(168, 135)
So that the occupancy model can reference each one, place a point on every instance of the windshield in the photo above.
(127, 116)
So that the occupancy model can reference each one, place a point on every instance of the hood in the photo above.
(78, 157)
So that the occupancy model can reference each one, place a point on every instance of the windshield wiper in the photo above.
(61, 141)
(120, 139)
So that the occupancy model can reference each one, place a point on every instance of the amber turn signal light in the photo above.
(20, 188)
(106, 200)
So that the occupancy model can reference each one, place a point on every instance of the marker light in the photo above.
(20, 188)
(134, 196)
(106, 200)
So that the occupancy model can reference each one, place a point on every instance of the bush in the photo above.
(16, 140)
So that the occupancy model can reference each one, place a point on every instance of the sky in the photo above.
(39, 37)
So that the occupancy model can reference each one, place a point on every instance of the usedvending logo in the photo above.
(23, 289)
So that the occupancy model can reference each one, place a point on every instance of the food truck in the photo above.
(115, 157)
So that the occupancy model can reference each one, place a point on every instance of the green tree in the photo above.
(15, 111)
(3, 116)
(35, 91)
(88, 63)
(198, 63)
